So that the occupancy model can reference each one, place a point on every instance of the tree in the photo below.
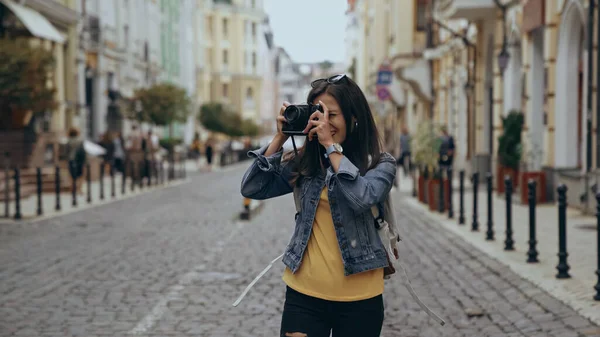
(325, 66)
(162, 104)
(218, 118)
(25, 74)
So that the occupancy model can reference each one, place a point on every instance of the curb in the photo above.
(82, 207)
(556, 288)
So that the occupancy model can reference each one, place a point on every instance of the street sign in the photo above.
(383, 93)
(384, 75)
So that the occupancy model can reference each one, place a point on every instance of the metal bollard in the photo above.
(101, 180)
(57, 187)
(7, 192)
(489, 234)
(597, 286)
(450, 193)
(112, 181)
(17, 194)
(475, 221)
(441, 198)
(124, 178)
(461, 192)
(532, 253)
(132, 176)
(88, 178)
(509, 244)
(563, 266)
(74, 191)
(38, 176)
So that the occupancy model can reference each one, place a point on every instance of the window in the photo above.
(254, 30)
(225, 90)
(253, 59)
(209, 25)
(225, 27)
(249, 94)
(421, 24)
(126, 35)
(225, 57)
(253, 3)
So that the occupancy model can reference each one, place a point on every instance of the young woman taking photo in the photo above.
(335, 260)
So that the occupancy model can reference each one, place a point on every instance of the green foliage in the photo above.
(218, 118)
(425, 145)
(161, 104)
(25, 76)
(509, 143)
(169, 143)
(352, 69)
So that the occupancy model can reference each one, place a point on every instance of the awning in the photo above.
(418, 77)
(35, 22)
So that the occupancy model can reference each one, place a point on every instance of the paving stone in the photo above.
(101, 271)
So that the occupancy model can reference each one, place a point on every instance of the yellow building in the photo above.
(230, 48)
(389, 32)
(52, 24)
(529, 56)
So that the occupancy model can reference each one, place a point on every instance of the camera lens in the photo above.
(291, 113)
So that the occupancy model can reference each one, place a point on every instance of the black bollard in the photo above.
(112, 181)
(450, 194)
(141, 172)
(132, 175)
(562, 267)
(73, 191)
(509, 244)
(124, 178)
(597, 286)
(475, 221)
(6, 192)
(88, 178)
(38, 175)
(461, 192)
(17, 194)
(532, 254)
(489, 234)
(441, 198)
(57, 187)
(101, 180)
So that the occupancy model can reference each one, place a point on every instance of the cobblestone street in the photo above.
(171, 263)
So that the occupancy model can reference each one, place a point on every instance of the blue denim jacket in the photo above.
(350, 197)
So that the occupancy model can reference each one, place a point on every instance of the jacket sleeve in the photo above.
(267, 177)
(362, 192)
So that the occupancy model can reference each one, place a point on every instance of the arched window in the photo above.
(249, 97)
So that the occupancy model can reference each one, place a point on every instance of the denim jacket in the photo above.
(350, 197)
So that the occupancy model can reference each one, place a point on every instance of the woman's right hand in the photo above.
(280, 138)
(281, 119)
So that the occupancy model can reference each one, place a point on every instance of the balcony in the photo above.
(465, 9)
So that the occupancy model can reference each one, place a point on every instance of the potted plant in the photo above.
(509, 150)
(424, 149)
(533, 155)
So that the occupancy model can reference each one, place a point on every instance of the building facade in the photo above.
(231, 71)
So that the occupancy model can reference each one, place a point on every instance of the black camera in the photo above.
(297, 116)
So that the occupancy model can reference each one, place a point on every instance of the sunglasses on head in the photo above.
(331, 80)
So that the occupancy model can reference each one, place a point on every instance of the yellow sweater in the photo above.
(321, 273)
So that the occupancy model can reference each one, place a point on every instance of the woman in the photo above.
(334, 261)
(208, 152)
(76, 157)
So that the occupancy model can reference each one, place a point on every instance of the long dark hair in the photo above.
(362, 138)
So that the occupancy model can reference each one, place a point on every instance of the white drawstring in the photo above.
(262, 273)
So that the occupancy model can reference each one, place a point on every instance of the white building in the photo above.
(270, 83)
(292, 86)
(187, 45)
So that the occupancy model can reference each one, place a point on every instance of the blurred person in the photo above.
(76, 157)
(208, 152)
(335, 260)
(119, 152)
(446, 152)
(405, 158)
(195, 149)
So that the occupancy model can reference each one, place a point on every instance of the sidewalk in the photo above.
(29, 205)
(577, 292)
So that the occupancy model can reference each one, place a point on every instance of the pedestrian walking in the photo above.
(195, 149)
(119, 152)
(208, 152)
(446, 152)
(405, 155)
(76, 157)
(335, 262)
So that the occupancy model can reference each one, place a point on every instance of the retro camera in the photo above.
(297, 116)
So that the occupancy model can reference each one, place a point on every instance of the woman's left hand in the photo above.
(318, 126)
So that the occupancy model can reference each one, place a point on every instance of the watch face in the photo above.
(338, 147)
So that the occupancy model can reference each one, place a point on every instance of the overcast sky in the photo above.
(309, 30)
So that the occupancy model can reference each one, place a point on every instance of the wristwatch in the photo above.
(335, 147)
